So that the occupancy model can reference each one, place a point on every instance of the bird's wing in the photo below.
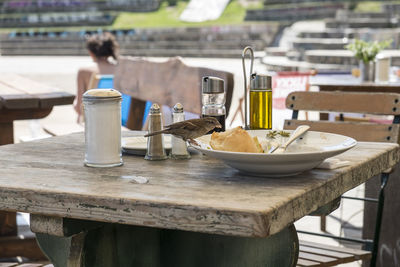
(155, 133)
(188, 125)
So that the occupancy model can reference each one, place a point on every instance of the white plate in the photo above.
(137, 145)
(307, 152)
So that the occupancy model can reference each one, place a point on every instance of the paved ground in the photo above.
(61, 72)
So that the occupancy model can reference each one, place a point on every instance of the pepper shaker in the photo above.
(179, 147)
(213, 100)
(155, 144)
(102, 109)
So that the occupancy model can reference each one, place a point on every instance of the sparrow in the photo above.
(190, 129)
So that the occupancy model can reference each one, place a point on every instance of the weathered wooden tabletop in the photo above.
(23, 99)
(201, 194)
(17, 92)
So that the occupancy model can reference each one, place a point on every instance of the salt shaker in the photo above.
(102, 109)
(155, 144)
(179, 147)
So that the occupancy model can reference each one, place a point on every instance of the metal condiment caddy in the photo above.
(260, 102)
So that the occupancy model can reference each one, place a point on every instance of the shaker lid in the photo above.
(260, 81)
(101, 94)
(212, 85)
(155, 109)
(178, 108)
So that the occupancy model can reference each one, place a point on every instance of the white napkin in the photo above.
(333, 163)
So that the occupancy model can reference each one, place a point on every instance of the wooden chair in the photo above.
(96, 81)
(347, 102)
(21, 243)
(166, 83)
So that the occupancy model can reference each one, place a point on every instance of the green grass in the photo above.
(164, 17)
(372, 6)
(169, 17)
(369, 6)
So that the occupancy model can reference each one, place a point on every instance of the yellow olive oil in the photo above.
(260, 109)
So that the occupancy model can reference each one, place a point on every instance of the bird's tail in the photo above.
(154, 133)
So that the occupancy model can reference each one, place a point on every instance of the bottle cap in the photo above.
(101, 94)
(260, 82)
(155, 109)
(178, 108)
(212, 85)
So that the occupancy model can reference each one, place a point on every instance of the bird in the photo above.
(190, 129)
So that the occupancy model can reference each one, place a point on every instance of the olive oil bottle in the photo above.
(260, 102)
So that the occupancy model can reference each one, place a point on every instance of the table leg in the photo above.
(8, 223)
(323, 116)
(123, 245)
(8, 220)
(6, 133)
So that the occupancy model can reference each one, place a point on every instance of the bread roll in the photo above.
(235, 140)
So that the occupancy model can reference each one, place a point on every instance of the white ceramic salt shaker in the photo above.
(102, 109)
(179, 147)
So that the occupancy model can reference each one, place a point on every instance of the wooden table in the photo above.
(22, 99)
(195, 212)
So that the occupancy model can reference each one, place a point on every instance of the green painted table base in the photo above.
(115, 245)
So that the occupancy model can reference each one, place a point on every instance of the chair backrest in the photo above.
(107, 81)
(167, 83)
(348, 102)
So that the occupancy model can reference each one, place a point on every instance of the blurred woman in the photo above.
(103, 49)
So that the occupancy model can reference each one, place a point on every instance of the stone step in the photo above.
(276, 51)
(391, 8)
(361, 23)
(319, 43)
(195, 37)
(227, 53)
(215, 33)
(294, 13)
(284, 64)
(344, 14)
(344, 57)
(294, 55)
(71, 6)
(149, 42)
(329, 33)
(223, 44)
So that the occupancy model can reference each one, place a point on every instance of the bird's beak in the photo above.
(218, 125)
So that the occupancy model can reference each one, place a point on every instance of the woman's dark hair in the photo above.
(103, 45)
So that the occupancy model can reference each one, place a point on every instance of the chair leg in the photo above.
(381, 199)
(8, 223)
(322, 226)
